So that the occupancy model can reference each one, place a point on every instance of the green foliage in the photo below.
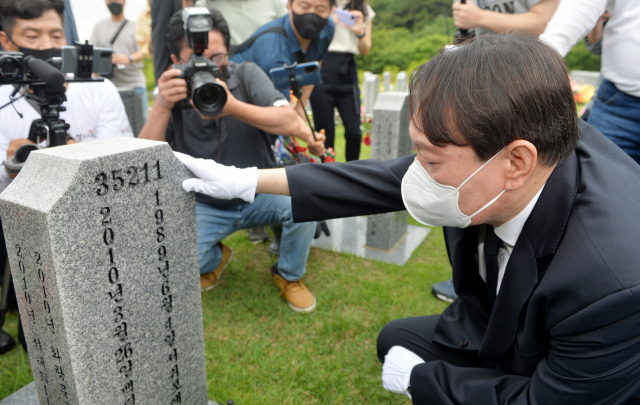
(409, 14)
(579, 58)
(402, 48)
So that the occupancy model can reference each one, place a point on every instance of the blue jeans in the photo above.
(617, 115)
(142, 92)
(267, 209)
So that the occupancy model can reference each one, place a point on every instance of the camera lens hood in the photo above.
(208, 96)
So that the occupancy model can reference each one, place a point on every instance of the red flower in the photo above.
(366, 140)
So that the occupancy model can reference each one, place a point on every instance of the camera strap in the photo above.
(110, 44)
(237, 48)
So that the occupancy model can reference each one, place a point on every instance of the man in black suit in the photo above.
(540, 215)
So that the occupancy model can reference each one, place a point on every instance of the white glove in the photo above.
(219, 181)
(396, 370)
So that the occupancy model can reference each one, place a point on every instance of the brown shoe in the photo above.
(210, 280)
(297, 294)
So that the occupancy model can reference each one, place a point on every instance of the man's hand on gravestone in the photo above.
(219, 181)
(396, 370)
(171, 90)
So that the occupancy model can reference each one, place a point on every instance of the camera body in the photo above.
(208, 96)
(12, 67)
(80, 59)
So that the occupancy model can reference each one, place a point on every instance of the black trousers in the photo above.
(161, 12)
(339, 89)
(416, 334)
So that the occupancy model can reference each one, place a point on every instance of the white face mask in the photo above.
(435, 204)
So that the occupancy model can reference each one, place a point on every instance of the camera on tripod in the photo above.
(208, 96)
(46, 84)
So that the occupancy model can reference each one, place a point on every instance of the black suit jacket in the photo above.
(565, 328)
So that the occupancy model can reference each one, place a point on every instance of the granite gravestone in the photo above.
(401, 81)
(103, 251)
(371, 89)
(389, 140)
(386, 81)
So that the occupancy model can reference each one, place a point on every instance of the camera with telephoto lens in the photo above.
(45, 81)
(208, 96)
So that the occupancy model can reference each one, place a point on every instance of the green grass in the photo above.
(258, 351)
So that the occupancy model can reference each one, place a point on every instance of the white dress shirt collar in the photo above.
(510, 230)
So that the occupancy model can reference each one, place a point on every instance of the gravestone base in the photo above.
(27, 395)
(349, 235)
(385, 231)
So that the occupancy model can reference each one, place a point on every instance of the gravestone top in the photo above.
(386, 81)
(401, 81)
(103, 251)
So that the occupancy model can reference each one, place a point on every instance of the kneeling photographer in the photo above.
(236, 107)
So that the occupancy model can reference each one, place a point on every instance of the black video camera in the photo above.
(208, 96)
(46, 82)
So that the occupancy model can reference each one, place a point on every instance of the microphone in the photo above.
(45, 72)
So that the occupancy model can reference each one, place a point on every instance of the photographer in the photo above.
(238, 137)
(94, 110)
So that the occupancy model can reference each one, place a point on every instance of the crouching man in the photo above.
(540, 220)
(237, 137)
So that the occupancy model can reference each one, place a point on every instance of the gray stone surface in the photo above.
(349, 235)
(103, 252)
(401, 81)
(27, 395)
(371, 90)
(386, 81)
(389, 140)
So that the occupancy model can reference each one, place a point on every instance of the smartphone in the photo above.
(305, 73)
(345, 17)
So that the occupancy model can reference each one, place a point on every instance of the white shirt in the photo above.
(94, 111)
(508, 234)
(574, 19)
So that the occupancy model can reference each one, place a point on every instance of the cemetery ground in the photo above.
(258, 351)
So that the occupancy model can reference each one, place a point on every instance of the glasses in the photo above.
(219, 58)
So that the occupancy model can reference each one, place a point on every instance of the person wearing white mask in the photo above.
(538, 210)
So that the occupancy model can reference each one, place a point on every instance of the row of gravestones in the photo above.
(103, 251)
(371, 88)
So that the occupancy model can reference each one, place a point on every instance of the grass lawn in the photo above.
(258, 351)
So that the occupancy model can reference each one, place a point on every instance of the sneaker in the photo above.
(297, 294)
(258, 235)
(444, 291)
(210, 280)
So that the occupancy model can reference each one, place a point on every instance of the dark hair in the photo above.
(493, 90)
(175, 31)
(10, 10)
(332, 3)
(359, 5)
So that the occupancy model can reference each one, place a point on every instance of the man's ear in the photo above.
(6, 43)
(523, 159)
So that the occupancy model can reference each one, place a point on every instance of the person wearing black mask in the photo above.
(309, 31)
(120, 34)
